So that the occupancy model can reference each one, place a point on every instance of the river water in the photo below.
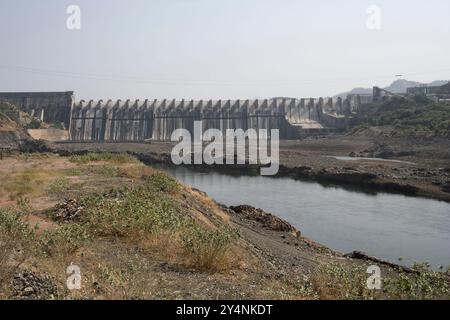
(388, 226)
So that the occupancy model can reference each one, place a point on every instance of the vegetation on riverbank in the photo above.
(341, 281)
(402, 116)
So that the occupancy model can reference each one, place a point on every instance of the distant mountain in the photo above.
(398, 86)
(356, 91)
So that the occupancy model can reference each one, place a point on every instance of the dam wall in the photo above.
(140, 120)
(156, 120)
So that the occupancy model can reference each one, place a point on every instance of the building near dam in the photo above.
(436, 93)
(142, 120)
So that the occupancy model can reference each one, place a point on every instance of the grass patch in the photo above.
(427, 284)
(339, 281)
(115, 158)
(29, 181)
(162, 182)
(59, 186)
(148, 213)
(23, 204)
(136, 171)
(108, 171)
(207, 249)
(16, 240)
(74, 172)
(65, 240)
(133, 212)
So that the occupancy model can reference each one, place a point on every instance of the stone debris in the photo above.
(68, 211)
(28, 285)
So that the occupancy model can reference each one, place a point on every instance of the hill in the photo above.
(402, 116)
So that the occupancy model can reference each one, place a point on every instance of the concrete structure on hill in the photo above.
(436, 92)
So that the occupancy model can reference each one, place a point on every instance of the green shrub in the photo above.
(16, 242)
(58, 125)
(66, 239)
(34, 124)
(59, 186)
(207, 248)
(108, 171)
(23, 204)
(148, 211)
(116, 158)
(408, 116)
(132, 212)
(163, 182)
(426, 284)
(339, 281)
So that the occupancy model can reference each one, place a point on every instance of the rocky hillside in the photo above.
(12, 131)
(13, 125)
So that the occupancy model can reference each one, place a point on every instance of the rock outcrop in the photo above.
(267, 220)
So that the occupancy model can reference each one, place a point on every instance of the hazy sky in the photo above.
(219, 48)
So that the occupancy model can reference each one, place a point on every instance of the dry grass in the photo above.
(25, 183)
(134, 221)
(35, 176)
(16, 243)
(136, 171)
(209, 203)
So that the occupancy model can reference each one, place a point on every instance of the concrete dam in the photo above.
(141, 120)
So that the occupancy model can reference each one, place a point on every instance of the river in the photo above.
(393, 227)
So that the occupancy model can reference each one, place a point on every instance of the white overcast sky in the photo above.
(214, 49)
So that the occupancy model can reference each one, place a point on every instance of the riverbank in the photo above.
(137, 233)
(422, 166)
(401, 229)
